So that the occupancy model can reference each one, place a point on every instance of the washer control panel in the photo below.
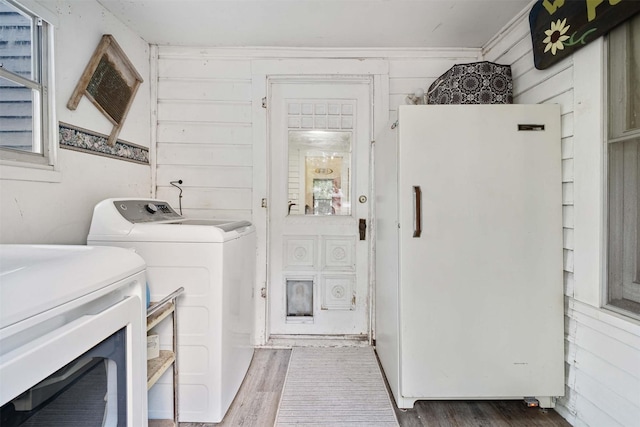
(136, 211)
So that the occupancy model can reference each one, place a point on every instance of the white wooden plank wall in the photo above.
(204, 134)
(602, 354)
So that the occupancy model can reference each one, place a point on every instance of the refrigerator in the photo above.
(469, 253)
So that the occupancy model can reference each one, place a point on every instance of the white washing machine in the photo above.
(214, 260)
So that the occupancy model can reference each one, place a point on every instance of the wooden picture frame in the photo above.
(110, 82)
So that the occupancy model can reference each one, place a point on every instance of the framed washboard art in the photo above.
(110, 82)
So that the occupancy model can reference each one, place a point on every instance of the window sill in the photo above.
(625, 308)
(16, 171)
(608, 315)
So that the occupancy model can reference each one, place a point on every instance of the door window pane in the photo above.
(320, 172)
(299, 297)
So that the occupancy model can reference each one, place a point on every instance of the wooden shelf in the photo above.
(158, 366)
(156, 313)
(159, 315)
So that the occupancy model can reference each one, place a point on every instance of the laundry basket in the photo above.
(476, 83)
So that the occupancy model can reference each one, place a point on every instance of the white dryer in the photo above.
(71, 336)
(214, 260)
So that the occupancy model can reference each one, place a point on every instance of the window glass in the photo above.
(624, 79)
(16, 116)
(623, 265)
(16, 44)
(623, 165)
(23, 102)
(320, 172)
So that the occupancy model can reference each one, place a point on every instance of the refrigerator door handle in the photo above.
(417, 211)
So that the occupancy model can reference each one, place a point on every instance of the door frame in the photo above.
(333, 323)
(269, 70)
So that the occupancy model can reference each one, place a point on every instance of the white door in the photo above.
(319, 137)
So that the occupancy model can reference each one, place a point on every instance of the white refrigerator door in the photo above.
(481, 292)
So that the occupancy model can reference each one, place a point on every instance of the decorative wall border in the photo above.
(78, 139)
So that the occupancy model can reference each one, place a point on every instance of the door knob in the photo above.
(362, 228)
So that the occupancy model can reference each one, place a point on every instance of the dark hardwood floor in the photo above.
(257, 403)
(488, 413)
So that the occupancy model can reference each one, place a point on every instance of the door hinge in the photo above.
(264, 203)
(264, 102)
(263, 292)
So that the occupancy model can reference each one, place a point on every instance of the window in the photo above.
(319, 172)
(24, 103)
(623, 169)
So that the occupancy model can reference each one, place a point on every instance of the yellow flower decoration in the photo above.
(556, 36)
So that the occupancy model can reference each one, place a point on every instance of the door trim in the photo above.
(335, 81)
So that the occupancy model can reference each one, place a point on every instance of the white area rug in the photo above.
(334, 387)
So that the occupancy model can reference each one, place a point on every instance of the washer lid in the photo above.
(183, 231)
(225, 225)
(153, 220)
(37, 278)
